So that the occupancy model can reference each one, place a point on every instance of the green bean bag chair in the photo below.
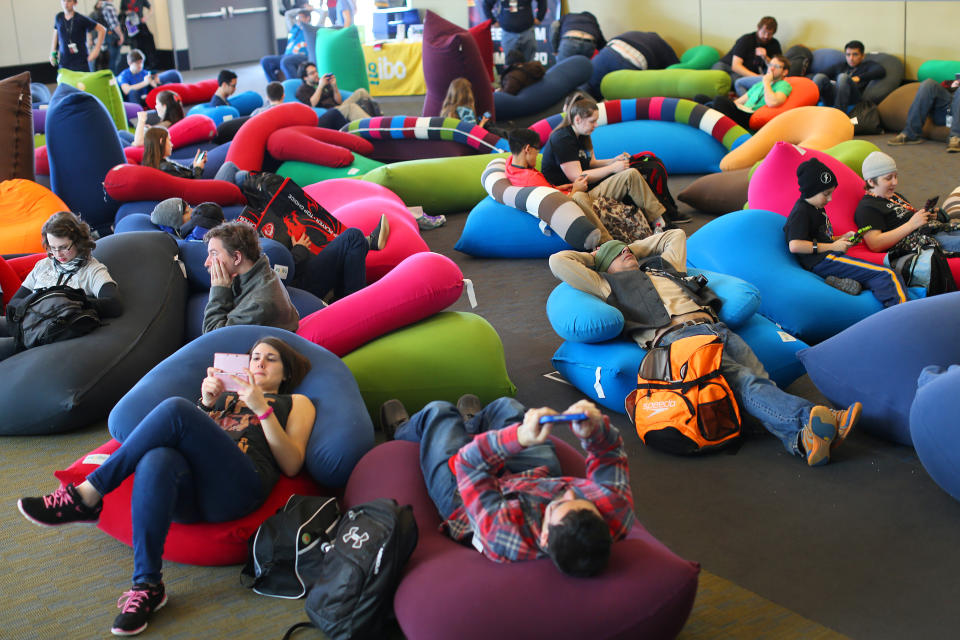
(700, 57)
(339, 52)
(102, 84)
(852, 153)
(939, 70)
(305, 173)
(669, 83)
(439, 185)
(440, 358)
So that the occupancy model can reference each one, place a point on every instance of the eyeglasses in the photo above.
(60, 250)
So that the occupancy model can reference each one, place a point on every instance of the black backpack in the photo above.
(867, 117)
(353, 594)
(50, 314)
(655, 173)
(285, 554)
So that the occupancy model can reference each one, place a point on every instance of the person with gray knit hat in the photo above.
(647, 281)
(170, 215)
(811, 240)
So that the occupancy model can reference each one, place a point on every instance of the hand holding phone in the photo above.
(231, 366)
(563, 417)
(931, 203)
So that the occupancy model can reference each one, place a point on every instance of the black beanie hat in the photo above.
(813, 177)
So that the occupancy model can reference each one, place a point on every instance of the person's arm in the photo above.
(336, 90)
(881, 241)
(576, 269)
(541, 11)
(771, 98)
(221, 302)
(599, 169)
(737, 65)
(140, 130)
(869, 70)
(347, 18)
(108, 302)
(806, 246)
(288, 445)
(671, 246)
(54, 47)
(101, 32)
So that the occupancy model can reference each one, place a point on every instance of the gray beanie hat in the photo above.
(168, 213)
(877, 164)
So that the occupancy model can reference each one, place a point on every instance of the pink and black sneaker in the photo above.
(136, 606)
(63, 506)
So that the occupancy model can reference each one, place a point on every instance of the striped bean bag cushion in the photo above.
(426, 128)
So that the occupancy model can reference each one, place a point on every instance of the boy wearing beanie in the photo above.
(810, 238)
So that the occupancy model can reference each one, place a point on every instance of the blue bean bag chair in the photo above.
(494, 230)
(67, 385)
(246, 102)
(144, 207)
(560, 79)
(877, 361)
(933, 426)
(39, 93)
(218, 114)
(343, 433)
(683, 149)
(82, 146)
(215, 159)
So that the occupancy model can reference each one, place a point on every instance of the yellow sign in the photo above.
(395, 68)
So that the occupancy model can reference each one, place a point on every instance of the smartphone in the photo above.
(563, 417)
(858, 235)
(486, 114)
(201, 154)
(931, 203)
(231, 364)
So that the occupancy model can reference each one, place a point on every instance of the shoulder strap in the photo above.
(294, 628)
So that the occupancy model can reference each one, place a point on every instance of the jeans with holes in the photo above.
(188, 469)
(934, 101)
(780, 413)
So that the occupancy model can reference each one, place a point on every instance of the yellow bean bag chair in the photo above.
(810, 127)
(24, 207)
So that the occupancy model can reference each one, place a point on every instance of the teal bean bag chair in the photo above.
(938, 70)
(670, 83)
(339, 52)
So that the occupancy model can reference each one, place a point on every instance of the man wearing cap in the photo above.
(648, 282)
(810, 238)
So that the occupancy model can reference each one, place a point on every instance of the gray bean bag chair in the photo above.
(877, 90)
(560, 79)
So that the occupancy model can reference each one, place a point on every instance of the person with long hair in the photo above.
(460, 103)
(157, 148)
(169, 110)
(210, 461)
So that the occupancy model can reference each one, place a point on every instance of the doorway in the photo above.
(219, 33)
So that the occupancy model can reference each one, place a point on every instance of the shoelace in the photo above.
(135, 599)
(59, 498)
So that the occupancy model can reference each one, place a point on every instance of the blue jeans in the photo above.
(842, 93)
(949, 239)
(885, 284)
(440, 431)
(340, 267)
(188, 469)
(934, 101)
(574, 46)
(720, 65)
(525, 41)
(780, 413)
(743, 83)
(606, 61)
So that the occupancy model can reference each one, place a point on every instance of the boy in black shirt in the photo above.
(810, 238)
(752, 51)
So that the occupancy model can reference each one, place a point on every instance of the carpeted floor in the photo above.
(864, 547)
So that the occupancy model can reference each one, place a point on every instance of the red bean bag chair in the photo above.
(130, 183)
(481, 35)
(24, 207)
(316, 145)
(24, 264)
(189, 93)
(194, 129)
(41, 162)
(246, 150)
(16, 128)
(450, 52)
(804, 94)
(9, 280)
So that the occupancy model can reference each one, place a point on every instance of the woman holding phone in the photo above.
(157, 148)
(210, 461)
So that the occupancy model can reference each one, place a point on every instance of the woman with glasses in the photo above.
(69, 262)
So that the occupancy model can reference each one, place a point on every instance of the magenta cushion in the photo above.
(129, 183)
(449, 590)
(246, 150)
(450, 52)
(404, 238)
(333, 194)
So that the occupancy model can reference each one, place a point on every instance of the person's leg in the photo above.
(726, 106)
(290, 63)
(931, 100)
(630, 183)
(848, 92)
(340, 267)
(352, 111)
(825, 85)
(504, 412)
(882, 281)
(606, 61)
(169, 76)
(230, 172)
(743, 84)
(571, 46)
(950, 240)
(271, 67)
(585, 202)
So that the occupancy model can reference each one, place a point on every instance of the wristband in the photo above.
(266, 414)
(815, 249)
(202, 406)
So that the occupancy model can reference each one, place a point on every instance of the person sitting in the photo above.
(157, 147)
(69, 47)
(277, 67)
(941, 102)
(518, 75)
(211, 461)
(648, 282)
(135, 80)
(569, 154)
(771, 91)
(243, 287)
(496, 481)
(810, 238)
(576, 34)
(179, 219)
(317, 91)
(169, 111)
(752, 52)
(68, 242)
(275, 95)
(459, 103)
(841, 85)
(226, 86)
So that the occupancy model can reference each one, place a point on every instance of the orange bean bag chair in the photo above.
(24, 207)
(811, 127)
(804, 94)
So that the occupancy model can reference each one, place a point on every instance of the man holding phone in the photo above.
(939, 101)
(494, 476)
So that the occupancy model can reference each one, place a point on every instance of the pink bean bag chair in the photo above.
(132, 183)
(189, 93)
(316, 145)
(333, 194)
(246, 150)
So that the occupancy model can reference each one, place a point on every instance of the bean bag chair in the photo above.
(334, 194)
(804, 94)
(852, 153)
(305, 173)
(39, 94)
(247, 148)
(16, 128)
(699, 57)
(200, 543)
(245, 102)
(339, 52)
(717, 193)
(938, 70)
(9, 281)
(194, 129)
(894, 108)
(127, 182)
(933, 418)
(191, 93)
(809, 127)
(560, 79)
(848, 367)
(83, 378)
(482, 36)
(24, 207)
(130, 111)
(101, 84)
(823, 59)
(145, 207)
(646, 592)
(39, 116)
(658, 54)
(496, 230)
(877, 90)
(440, 358)
(671, 83)
(420, 286)
(545, 127)
(416, 181)
(79, 127)
(316, 145)
(423, 128)
(450, 52)
(218, 114)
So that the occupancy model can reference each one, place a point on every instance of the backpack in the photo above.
(682, 403)
(50, 314)
(801, 58)
(866, 118)
(354, 592)
(941, 277)
(655, 173)
(285, 554)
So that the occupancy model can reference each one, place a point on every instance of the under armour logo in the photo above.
(353, 539)
(826, 177)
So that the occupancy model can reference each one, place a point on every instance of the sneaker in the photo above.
(426, 222)
(846, 420)
(63, 506)
(378, 237)
(677, 217)
(469, 405)
(901, 139)
(392, 416)
(136, 606)
(847, 285)
(817, 436)
(953, 145)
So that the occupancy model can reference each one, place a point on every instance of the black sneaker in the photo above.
(847, 285)
(392, 415)
(378, 237)
(677, 217)
(469, 405)
(136, 606)
(63, 506)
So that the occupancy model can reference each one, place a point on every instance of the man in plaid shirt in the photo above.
(495, 478)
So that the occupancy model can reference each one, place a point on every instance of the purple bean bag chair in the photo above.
(450, 52)
(933, 426)
(451, 591)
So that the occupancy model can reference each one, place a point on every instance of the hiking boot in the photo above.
(901, 139)
(63, 506)
(847, 285)
(953, 145)
(392, 416)
(676, 217)
(818, 435)
(426, 222)
(136, 606)
(378, 237)
(846, 420)
(469, 405)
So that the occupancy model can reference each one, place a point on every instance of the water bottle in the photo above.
(949, 122)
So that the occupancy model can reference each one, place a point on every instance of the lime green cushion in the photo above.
(305, 173)
(939, 70)
(700, 57)
(439, 185)
(339, 52)
(852, 153)
(39, 140)
(103, 85)
(668, 83)
(440, 358)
